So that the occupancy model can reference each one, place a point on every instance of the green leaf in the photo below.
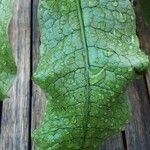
(89, 54)
(7, 64)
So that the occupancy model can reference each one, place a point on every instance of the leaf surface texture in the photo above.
(7, 64)
(89, 53)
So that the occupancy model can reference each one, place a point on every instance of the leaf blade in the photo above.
(89, 54)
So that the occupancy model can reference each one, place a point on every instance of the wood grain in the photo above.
(15, 111)
(138, 131)
(115, 143)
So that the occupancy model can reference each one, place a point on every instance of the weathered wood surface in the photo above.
(22, 112)
(138, 131)
(15, 110)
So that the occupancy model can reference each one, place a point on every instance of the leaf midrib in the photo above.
(85, 46)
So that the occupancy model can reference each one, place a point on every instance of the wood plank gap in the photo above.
(124, 140)
(147, 88)
(38, 98)
(1, 108)
(31, 72)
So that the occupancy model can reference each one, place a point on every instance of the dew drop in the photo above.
(109, 106)
(102, 97)
(112, 124)
(112, 94)
(62, 22)
(120, 128)
(132, 17)
(105, 114)
(106, 134)
(120, 44)
(59, 31)
(106, 120)
(133, 39)
(130, 69)
(108, 53)
(92, 3)
(117, 86)
(122, 17)
(116, 33)
(115, 3)
(130, 47)
(63, 8)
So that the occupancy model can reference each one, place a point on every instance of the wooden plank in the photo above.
(115, 143)
(138, 132)
(144, 36)
(15, 111)
(15, 117)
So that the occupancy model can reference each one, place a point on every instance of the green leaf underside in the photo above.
(89, 54)
(7, 64)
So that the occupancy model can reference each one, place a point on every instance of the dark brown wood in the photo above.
(114, 143)
(38, 98)
(138, 131)
(23, 111)
(15, 111)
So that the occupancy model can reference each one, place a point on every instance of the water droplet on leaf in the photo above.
(115, 3)
(92, 3)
